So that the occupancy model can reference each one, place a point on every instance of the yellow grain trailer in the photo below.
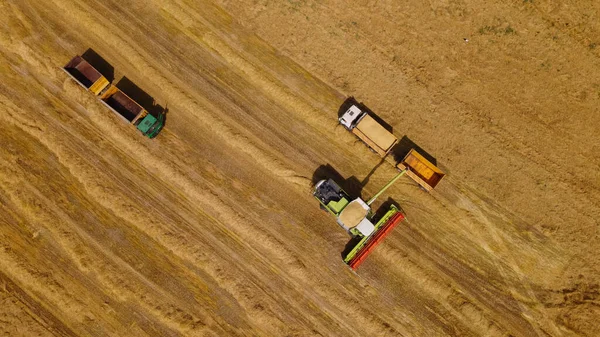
(421, 170)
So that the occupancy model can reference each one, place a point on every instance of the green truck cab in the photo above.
(131, 111)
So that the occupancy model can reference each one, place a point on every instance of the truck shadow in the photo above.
(401, 149)
(141, 97)
(100, 64)
(352, 101)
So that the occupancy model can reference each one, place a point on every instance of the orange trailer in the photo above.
(421, 170)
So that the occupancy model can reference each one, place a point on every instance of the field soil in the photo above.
(210, 229)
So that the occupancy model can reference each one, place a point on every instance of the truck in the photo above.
(116, 100)
(367, 129)
(356, 217)
(421, 170)
(380, 140)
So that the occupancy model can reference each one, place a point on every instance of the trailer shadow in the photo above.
(352, 185)
(401, 149)
(141, 97)
(100, 64)
(352, 101)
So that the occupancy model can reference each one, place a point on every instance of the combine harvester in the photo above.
(356, 217)
(116, 100)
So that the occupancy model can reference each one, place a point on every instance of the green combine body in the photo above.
(366, 239)
(356, 217)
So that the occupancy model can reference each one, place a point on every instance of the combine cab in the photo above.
(382, 228)
(356, 217)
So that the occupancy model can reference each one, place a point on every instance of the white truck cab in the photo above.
(351, 117)
(369, 130)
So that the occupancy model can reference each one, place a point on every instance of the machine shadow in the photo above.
(385, 206)
(352, 101)
(368, 177)
(100, 64)
(352, 185)
(349, 246)
(142, 97)
(404, 145)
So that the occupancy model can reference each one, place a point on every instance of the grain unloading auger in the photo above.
(356, 217)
